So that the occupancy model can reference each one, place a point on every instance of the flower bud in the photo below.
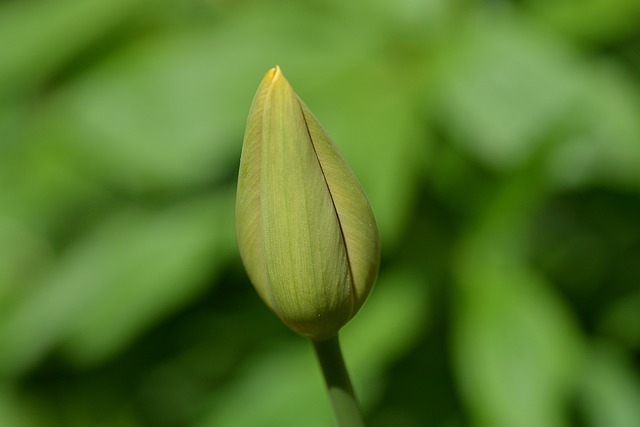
(306, 233)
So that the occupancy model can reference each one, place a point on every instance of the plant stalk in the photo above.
(346, 409)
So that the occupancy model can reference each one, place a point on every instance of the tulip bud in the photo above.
(306, 233)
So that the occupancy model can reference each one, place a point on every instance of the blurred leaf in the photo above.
(41, 35)
(175, 259)
(610, 389)
(590, 21)
(516, 344)
(484, 82)
(603, 133)
(116, 281)
(23, 254)
(516, 348)
(15, 412)
(44, 189)
(159, 115)
(622, 320)
(12, 120)
(503, 88)
(285, 386)
(408, 20)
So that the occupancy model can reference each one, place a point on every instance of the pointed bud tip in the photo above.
(273, 74)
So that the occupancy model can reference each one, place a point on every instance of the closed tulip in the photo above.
(306, 232)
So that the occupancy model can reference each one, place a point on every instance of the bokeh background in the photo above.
(499, 144)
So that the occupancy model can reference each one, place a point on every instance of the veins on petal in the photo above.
(351, 292)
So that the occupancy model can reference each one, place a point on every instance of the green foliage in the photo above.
(499, 145)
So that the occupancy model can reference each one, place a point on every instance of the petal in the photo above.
(306, 256)
(248, 228)
(357, 222)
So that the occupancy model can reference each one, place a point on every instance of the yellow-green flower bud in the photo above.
(305, 230)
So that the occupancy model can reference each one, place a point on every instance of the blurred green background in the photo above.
(499, 144)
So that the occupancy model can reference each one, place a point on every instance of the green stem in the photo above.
(346, 409)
